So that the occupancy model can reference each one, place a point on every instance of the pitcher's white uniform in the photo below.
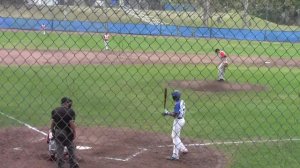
(178, 123)
(43, 29)
(106, 40)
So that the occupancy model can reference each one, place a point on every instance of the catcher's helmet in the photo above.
(176, 95)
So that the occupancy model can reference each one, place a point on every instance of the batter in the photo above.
(178, 123)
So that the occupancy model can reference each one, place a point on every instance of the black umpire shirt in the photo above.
(62, 116)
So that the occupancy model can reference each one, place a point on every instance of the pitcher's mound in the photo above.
(215, 86)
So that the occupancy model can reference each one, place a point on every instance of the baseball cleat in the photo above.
(184, 151)
(172, 158)
(75, 166)
(52, 158)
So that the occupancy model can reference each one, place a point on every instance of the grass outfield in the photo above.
(109, 95)
(132, 96)
(93, 42)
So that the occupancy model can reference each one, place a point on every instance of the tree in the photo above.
(245, 14)
(206, 12)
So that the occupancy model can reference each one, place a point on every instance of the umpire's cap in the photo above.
(66, 99)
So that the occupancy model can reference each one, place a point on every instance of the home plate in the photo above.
(17, 148)
(267, 62)
(83, 147)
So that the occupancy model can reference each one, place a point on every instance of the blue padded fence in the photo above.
(151, 29)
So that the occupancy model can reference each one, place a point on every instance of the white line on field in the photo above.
(206, 144)
(236, 142)
(141, 150)
(23, 123)
(39, 131)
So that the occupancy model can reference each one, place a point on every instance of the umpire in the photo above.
(64, 131)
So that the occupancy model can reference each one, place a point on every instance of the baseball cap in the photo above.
(65, 99)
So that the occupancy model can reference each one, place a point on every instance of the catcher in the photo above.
(223, 64)
(52, 147)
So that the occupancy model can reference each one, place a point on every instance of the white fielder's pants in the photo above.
(177, 144)
(221, 71)
(106, 44)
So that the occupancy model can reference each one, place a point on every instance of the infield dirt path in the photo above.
(30, 57)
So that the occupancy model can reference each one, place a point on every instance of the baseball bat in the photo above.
(165, 98)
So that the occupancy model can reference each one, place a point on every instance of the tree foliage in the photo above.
(278, 11)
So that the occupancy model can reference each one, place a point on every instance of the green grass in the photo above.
(131, 96)
(93, 42)
(265, 155)
(120, 90)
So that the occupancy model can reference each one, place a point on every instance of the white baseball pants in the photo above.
(177, 144)
(221, 71)
(106, 44)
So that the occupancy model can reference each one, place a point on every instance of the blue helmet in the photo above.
(176, 95)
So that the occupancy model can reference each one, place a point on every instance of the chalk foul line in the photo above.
(236, 142)
(141, 150)
(23, 123)
(39, 131)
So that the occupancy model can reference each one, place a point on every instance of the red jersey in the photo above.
(222, 54)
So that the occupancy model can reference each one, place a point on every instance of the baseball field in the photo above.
(251, 120)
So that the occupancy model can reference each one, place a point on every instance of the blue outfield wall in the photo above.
(150, 29)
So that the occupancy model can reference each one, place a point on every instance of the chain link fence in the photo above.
(204, 83)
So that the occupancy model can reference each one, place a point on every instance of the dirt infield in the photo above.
(29, 57)
(215, 86)
(113, 148)
(110, 148)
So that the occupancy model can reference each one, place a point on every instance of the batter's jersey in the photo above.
(179, 109)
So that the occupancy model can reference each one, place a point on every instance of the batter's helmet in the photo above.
(176, 95)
